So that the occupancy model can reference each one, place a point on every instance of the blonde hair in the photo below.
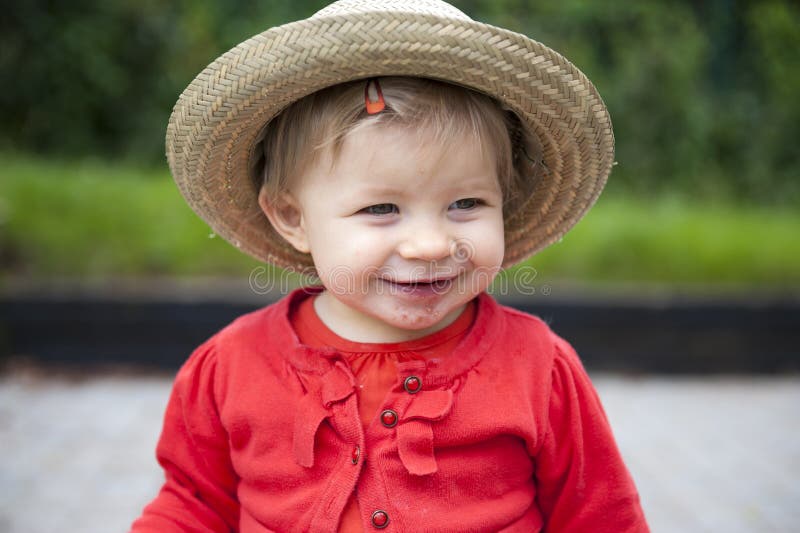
(294, 139)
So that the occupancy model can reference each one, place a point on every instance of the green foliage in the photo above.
(702, 94)
(670, 240)
(94, 219)
(100, 220)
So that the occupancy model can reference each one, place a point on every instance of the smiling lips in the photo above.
(420, 287)
(420, 281)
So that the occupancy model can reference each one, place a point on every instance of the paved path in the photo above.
(708, 455)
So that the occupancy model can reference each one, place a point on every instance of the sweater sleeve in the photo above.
(199, 492)
(582, 482)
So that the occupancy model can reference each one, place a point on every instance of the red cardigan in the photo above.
(262, 433)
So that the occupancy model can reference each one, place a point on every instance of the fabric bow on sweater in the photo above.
(414, 431)
(336, 385)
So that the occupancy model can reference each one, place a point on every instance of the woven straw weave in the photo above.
(218, 121)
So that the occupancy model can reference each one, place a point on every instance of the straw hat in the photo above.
(214, 133)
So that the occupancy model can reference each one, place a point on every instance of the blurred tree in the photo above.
(774, 54)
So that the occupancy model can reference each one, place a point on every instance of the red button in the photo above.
(380, 519)
(412, 384)
(389, 418)
(356, 454)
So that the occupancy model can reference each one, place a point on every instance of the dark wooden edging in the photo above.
(676, 335)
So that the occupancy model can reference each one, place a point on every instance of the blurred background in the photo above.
(680, 288)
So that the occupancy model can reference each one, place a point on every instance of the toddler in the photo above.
(405, 155)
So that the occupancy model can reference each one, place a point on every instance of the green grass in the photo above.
(100, 220)
(674, 241)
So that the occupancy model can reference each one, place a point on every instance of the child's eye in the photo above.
(467, 203)
(380, 209)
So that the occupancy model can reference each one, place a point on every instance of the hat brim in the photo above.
(218, 121)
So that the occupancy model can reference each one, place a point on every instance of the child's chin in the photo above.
(428, 316)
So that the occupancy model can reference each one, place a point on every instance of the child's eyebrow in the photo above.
(383, 189)
(475, 188)
(470, 186)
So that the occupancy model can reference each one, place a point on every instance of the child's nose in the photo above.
(426, 242)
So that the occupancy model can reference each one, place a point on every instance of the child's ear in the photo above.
(286, 217)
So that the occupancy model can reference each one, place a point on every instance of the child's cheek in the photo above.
(363, 244)
(487, 244)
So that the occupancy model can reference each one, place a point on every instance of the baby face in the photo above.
(394, 214)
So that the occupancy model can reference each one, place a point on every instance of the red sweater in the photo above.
(374, 366)
(262, 433)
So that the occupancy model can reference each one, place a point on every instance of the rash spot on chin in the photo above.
(416, 319)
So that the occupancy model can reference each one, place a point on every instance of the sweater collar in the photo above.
(479, 339)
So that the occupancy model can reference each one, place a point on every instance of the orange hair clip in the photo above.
(374, 99)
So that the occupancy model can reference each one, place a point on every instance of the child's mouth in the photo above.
(420, 288)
